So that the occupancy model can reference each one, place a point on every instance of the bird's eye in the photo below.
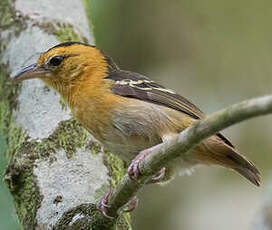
(55, 61)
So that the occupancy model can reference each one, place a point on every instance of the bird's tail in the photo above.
(215, 151)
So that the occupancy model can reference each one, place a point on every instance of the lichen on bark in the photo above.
(67, 33)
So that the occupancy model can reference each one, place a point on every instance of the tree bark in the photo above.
(56, 171)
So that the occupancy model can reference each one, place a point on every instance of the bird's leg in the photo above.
(134, 171)
(102, 204)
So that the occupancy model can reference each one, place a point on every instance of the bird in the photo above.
(128, 112)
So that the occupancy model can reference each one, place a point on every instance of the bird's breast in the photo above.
(126, 126)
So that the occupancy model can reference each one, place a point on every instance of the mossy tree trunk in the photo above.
(56, 171)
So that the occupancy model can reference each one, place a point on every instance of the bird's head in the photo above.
(65, 65)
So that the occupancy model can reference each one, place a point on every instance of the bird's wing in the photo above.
(134, 85)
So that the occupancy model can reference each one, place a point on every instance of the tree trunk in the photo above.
(56, 170)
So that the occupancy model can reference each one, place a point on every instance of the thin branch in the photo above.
(183, 142)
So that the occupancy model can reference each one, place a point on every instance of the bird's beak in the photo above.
(29, 72)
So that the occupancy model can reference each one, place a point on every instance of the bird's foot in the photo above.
(158, 177)
(131, 205)
(103, 205)
(134, 170)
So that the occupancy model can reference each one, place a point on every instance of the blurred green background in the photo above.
(215, 53)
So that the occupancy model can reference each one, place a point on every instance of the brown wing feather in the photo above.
(137, 86)
(134, 85)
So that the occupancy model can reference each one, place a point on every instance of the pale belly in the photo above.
(124, 140)
(127, 148)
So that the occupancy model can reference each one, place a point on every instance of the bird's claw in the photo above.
(131, 205)
(134, 170)
(158, 177)
(102, 204)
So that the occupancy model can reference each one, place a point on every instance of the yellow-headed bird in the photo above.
(126, 111)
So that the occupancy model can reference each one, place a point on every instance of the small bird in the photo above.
(127, 112)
